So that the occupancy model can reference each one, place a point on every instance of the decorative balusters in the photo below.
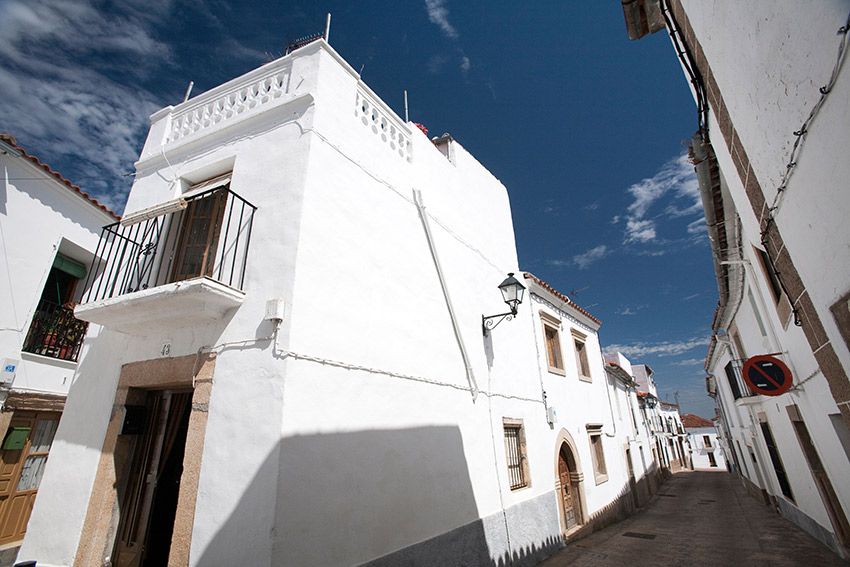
(383, 123)
(206, 113)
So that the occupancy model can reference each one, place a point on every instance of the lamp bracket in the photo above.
(489, 323)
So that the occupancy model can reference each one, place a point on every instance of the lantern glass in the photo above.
(512, 291)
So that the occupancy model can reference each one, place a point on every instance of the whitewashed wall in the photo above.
(700, 450)
(39, 217)
(356, 433)
(769, 60)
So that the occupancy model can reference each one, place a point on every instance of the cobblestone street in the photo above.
(699, 518)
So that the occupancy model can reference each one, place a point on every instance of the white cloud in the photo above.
(689, 362)
(664, 348)
(465, 64)
(71, 76)
(439, 15)
(589, 257)
(697, 227)
(640, 230)
(676, 179)
(627, 311)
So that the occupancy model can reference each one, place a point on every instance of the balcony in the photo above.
(55, 332)
(177, 264)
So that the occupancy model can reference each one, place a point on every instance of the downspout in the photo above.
(423, 216)
(608, 391)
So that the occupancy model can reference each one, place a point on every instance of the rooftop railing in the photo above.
(204, 235)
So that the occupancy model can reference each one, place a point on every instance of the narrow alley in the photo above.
(699, 518)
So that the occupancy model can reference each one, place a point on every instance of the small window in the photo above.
(580, 342)
(552, 336)
(769, 274)
(706, 441)
(597, 453)
(733, 380)
(515, 453)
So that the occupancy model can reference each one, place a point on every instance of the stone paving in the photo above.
(699, 518)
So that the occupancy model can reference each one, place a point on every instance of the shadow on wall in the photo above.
(388, 497)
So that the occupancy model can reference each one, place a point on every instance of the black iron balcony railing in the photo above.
(207, 234)
(55, 332)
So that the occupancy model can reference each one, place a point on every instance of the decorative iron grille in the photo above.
(515, 456)
(208, 235)
(55, 332)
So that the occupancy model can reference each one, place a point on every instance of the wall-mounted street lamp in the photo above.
(512, 292)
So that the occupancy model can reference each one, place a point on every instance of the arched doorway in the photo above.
(569, 493)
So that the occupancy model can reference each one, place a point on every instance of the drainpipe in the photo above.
(423, 215)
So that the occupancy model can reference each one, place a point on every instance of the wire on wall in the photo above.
(800, 138)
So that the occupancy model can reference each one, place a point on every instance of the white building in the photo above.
(770, 155)
(706, 452)
(48, 232)
(293, 367)
(635, 419)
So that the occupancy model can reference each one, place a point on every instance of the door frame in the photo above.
(193, 372)
(577, 476)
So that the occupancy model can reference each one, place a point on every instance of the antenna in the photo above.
(676, 395)
(188, 91)
(328, 28)
(406, 117)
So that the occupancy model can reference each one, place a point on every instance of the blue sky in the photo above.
(585, 128)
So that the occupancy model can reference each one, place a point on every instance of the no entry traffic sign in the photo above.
(767, 375)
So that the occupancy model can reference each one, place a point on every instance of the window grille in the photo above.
(515, 452)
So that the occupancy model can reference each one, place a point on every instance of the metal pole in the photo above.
(406, 117)
(189, 91)
(328, 28)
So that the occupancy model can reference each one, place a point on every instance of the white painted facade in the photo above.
(704, 442)
(369, 423)
(767, 62)
(40, 217)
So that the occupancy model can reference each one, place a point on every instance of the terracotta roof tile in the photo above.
(561, 296)
(690, 420)
(9, 139)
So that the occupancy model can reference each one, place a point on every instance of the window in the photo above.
(580, 342)
(54, 331)
(733, 380)
(199, 235)
(769, 274)
(40, 442)
(706, 441)
(776, 460)
(552, 336)
(739, 345)
(597, 452)
(780, 300)
(515, 454)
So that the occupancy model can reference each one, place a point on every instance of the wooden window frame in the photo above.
(600, 467)
(217, 201)
(522, 455)
(553, 324)
(582, 361)
(780, 300)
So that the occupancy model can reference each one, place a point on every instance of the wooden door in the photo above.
(632, 481)
(823, 483)
(21, 471)
(147, 520)
(568, 494)
(198, 241)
